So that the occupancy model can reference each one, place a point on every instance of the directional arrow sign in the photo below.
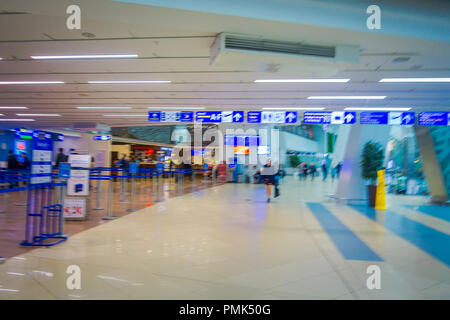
(291, 117)
(238, 116)
(408, 118)
(349, 117)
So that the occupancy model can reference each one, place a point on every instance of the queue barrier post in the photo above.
(110, 215)
(98, 205)
(124, 187)
(44, 219)
(133, 178)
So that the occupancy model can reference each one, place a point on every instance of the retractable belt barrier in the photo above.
(44, 220)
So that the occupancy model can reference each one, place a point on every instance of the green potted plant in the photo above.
(294, 161)
(371, 162)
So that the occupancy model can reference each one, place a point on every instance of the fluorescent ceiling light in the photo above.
(125, 115)
(129, 82)
(347, 97)
(295, 108)
(13, 107)
(113, 108)
(16, 119)
(305, 80)
(31, 82)
(176, 108)
(38, 114)
(87, 56)
(378, 109)
(415, 80)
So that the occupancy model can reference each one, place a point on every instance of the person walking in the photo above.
(312, 170)
(324, 169)
(268, 173)
(338, 169)
(305, 170)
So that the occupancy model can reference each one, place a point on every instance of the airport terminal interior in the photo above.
(224, 150)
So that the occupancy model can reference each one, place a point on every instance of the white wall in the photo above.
(289, 141)
(85, 144)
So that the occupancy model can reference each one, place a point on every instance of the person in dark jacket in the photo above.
(13, 164)
(60, 157)
(25, 163)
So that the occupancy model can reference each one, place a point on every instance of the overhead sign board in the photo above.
(273, 117)
(102, 138)
(434, 119)
(208, 116)
(389, 118)
(170, 116)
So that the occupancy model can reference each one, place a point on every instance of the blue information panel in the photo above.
(373, 118)
(254, 117)
(434, 119)
(187, 116)
(272, 117)
(102, 138)
(64, 170)
(208, 116)
(41, 160)
(232, 116)
(171, 116)
(154, 116)
(317, 117)
(389, 118)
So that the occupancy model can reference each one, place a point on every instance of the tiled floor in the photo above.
(226, 242)
(13, 207)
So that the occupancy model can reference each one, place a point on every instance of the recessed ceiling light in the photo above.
(378, 109)
(38, 114)
(13, 107)
(31, 82)
(129, 82)
(16, 120)
(176, 108)
(87, 56)
(306, 80)
(401, 59)
(347, 97)
(125, 115)
(415, 80)
(295, 108)
(111, 108)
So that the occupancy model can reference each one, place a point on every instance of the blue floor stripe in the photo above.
(348, 243)
(432, 241)
(440, 212)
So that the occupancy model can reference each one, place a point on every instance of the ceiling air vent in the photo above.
(271, 46)
(255, 53)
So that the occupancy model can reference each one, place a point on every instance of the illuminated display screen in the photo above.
(242, 140)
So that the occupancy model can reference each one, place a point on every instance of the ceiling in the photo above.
(174, 45)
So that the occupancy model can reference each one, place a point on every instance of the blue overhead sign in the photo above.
(434, 119)
(186, 116)
(329, 117)
(272, 117)
(102, 138)
(401, 118)
(233, 116)
(373, 118)
(254, 117)
(389, 118)
(154, 116)
(208, 116)
(170, 116)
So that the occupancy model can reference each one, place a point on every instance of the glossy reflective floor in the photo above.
(227, 242)
(13, 206)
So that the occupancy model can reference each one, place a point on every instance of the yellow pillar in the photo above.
(380, 200)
